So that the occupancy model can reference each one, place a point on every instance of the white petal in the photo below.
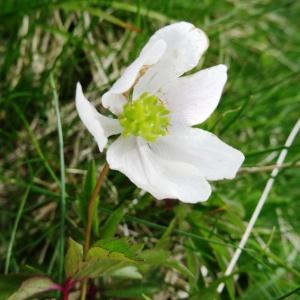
(114, 98)
(193, 98)
(215, 159)
(99, 126)
(185, 46)
(161, 177)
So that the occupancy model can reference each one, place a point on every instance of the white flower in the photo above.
(156, 106)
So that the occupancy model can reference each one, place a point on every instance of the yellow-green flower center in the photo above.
(146, 117)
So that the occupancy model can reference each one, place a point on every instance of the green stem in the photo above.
(14, 231)
(90, 216)
(63, 182)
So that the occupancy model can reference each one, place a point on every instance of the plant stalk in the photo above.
(88, 229)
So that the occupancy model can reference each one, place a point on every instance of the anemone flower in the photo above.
(155, 106)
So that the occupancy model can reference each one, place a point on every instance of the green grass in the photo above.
(91, 42)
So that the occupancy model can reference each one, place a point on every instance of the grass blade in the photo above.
(63, 181)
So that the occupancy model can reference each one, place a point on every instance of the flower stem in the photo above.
(88, 229)
(65, 295)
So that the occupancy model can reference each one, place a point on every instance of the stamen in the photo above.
(146, 117)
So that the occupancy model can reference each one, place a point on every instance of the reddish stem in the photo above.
(66, 288)
(65, 294)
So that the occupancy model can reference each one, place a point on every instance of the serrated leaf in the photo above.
(120, 245)
(32, 287)
(110, 226)
(100, 253)
(104, 262)
(73, 258)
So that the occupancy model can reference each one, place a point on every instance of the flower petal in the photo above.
(161, 177)
(114, 98)
(98, 125)
(185, 45)
(193, 98)
(215, 159)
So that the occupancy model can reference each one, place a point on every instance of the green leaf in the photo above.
(101, 262)
(193, 264)
(10, 283)
(108, 256)
(159, 257)
(128, 272)
(100, 253)
(132, 292)
(14, 287)
(117, 258)
(164, 241)
(90, 181)
(88, 187)
(96, 220)
(155, 256)
(120, 245)
(145, 297)
(73, 258)
(110, 226)
(179, 267)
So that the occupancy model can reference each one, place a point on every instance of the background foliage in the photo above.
(91, 42)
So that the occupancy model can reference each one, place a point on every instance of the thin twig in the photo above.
(260, 204)
(88, 229)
